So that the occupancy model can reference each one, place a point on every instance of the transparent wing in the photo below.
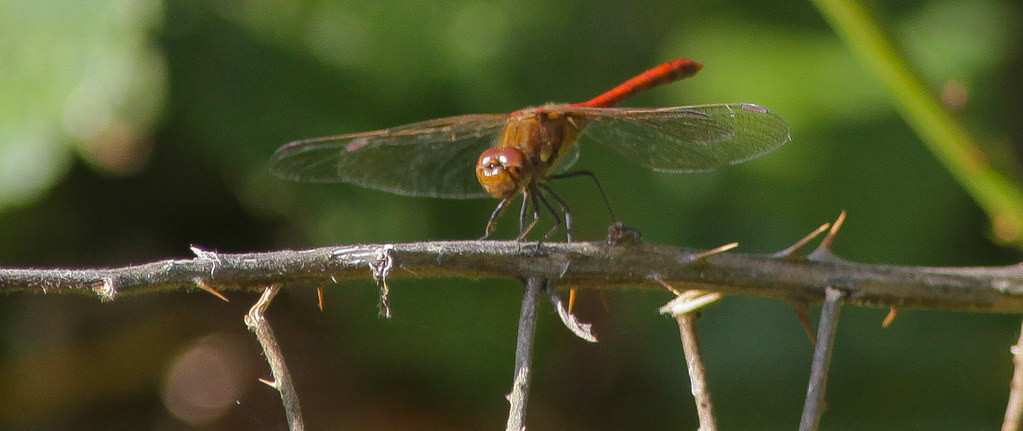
(566, 160)
(684, 138)
(434, 158)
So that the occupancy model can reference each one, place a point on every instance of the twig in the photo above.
(519, 395)
(682, 308)
(1014, 410)
(697, 372)
(826, 328)
(256, 321)
(593, 265)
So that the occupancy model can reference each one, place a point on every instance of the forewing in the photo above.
(685, 138)
(435, 158)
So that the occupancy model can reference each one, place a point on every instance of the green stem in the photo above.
(946, 137)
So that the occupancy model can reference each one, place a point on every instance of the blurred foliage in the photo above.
(129, 130)
(78, 77)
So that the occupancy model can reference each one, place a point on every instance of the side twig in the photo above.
(1014, 410)
(697, 372)
(826, 328)
(256, 322)
(683, 308)
(524, 355)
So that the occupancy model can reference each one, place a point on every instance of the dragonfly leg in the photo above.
(595, 181)
(531, 196)
(522, 213)
(557, 216)
(493, 218)
(565, 212)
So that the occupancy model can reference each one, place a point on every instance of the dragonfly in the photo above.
(510, 154)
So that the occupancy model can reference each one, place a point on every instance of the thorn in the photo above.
(804, 320)
(200, 253)
(319, 297)
(571, 298)
(713, 251)
(830, 238)
(565, 265)
(791, 251)
(269, 383)
(892, 312)
(202, 285)
(671, 289)
(603, 300)
(823, 250)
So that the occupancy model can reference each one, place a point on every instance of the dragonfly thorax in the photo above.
(541, 134)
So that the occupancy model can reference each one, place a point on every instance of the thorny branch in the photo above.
(594, 265)
(255, 319)
(787, 275)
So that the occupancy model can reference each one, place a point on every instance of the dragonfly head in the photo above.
(500, 170)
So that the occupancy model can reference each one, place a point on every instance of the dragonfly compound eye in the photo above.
(499, 171)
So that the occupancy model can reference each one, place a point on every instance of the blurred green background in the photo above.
(130, 130)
